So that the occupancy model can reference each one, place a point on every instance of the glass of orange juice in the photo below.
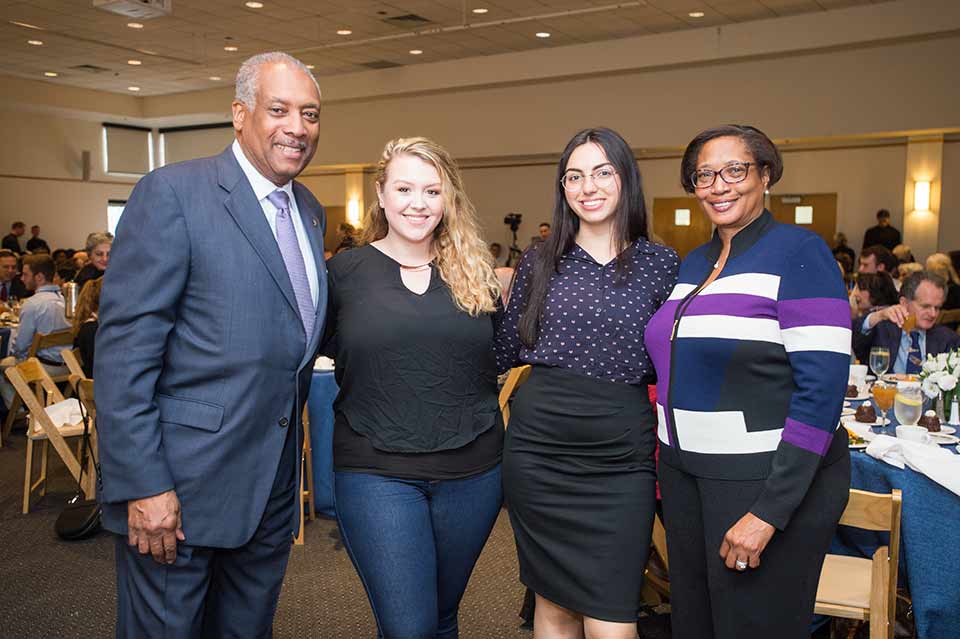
(883, 396)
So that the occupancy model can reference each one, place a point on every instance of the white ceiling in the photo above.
(182, 51)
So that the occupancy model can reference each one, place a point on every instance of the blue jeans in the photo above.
(414, 544)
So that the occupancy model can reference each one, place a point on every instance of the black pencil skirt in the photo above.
(579, 481)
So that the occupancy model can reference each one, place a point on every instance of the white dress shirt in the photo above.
(262, 187)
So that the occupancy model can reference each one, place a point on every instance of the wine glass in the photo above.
(883, 395)
(908, 403)
(879, 360)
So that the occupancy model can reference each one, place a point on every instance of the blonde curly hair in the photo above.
(463, 258)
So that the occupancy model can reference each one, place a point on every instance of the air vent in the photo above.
(139, 9)
(90, 68)
(380, 64)
(408, 20)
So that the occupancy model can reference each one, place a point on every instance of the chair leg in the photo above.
(44, 460)
(298, 540)
(27, 477)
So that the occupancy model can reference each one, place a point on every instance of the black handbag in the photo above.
(80, 518)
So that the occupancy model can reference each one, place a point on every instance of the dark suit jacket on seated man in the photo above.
(922, 295)
(210, 319)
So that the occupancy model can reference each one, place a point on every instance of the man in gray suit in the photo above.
(210, 318)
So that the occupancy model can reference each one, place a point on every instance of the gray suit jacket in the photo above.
(202, 362)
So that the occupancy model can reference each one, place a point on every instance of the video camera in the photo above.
(513, 221)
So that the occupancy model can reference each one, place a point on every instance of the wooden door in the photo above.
(682, 239)
(824, 214)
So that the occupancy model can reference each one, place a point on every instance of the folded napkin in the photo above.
(937, 463)
(65, 413)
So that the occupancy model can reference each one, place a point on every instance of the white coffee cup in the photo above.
(858, 376)
(917, 434)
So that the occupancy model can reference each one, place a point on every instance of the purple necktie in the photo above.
(293, 259)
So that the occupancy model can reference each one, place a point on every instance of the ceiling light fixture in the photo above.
(134, 89)
(215, 78)
(542, 34)
(26, 25)
(311, 67)
(51, 74)
(230, 48)
(255, 5)
(481, 11)
(696, 14)
(135, 25)
(36, 43)
(416, 51)
(344, 31)
(134, 63)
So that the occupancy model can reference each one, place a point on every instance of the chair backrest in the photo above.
(48, 340)
(878, 511)
(949, 317)
(84, 388)
(515, 378)
(71, 357)
(660, 540)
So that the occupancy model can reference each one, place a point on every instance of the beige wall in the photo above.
(950, 197)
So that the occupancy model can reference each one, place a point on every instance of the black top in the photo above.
(883, 235)
(417, 376)
(86, 274)
(35, 243)
(84, 340)
(12, 243)
(593, 320)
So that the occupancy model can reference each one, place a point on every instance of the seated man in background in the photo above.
(877, 259)
(11, 286)
(41, 313)
(921, 298)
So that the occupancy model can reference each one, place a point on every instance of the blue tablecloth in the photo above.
(323, 390)
(929, 542)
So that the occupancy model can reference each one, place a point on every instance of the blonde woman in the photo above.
(86, 321)
(417, 431)
(940, 264)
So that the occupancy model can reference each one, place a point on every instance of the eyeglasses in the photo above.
(574, 180)
(731, 174)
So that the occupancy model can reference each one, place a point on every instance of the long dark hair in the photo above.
(630, 223)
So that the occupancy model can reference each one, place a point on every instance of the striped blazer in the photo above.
(752, 369)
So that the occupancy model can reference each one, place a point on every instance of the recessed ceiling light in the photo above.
(230, 48)
(416, 51)
(480, 10)
(542, 34)
(51, 74)
(696, 14)
(134, 89)
(344, 31)
(36, 43)
(215, 78)
(255, 5)
(134, 63)
(311, 67)
(135, 25)
(26, 25)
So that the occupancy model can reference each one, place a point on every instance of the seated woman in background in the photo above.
(86, 322)
(98, 252)
(941, 264)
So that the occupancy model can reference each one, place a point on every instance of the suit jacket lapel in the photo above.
(246, 211)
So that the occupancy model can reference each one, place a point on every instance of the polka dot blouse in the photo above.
(593, 319)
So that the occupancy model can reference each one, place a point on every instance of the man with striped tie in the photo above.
(210, 319)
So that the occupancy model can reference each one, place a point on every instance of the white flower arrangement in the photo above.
(939, 376)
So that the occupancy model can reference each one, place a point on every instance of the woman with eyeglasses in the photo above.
(752, 352)
(578, 468)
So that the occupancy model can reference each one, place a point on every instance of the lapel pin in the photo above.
(316, 222)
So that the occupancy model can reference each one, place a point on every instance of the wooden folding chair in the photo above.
(37, 390)
(306, 479)
(865, 589)
(40, 342)
(515, 378)
(950, 317)
(656, 575)
(71, 357)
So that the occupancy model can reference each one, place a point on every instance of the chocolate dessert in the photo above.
(930, 421)
(852, 391)
(866, 413)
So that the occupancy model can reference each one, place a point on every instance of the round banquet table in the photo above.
(929, 541)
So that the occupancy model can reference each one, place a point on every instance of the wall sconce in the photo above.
(921, 196)
(353, 212)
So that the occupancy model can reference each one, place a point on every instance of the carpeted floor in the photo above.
(50, 588)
